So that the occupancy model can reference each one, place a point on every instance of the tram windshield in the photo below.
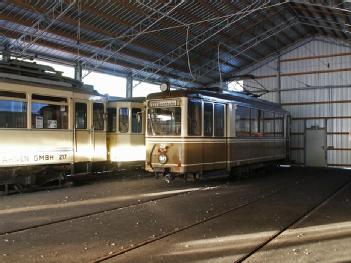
(164, 121)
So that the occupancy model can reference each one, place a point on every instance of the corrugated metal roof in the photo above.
(153, 39)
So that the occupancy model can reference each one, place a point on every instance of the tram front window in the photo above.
(164, 121)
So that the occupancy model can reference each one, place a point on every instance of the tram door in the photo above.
(97, 132)
(220, 145)
(81, 133)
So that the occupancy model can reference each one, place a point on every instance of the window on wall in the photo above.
(67, 71)
(242, 121)
(268, 123)
(236, 85)
(106, 83)
(98, 116)
(137, 120)
(219, 120)
(123, 120)
(13, 114)
(111, 119)
(208, 119)
(142, 89)
(194, 118)
(81, 115)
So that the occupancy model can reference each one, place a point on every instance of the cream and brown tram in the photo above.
(52, 127)
(199, 131)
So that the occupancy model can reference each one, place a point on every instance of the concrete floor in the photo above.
(146, 220)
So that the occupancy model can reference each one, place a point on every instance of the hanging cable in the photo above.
(219, 66)
(208, 20)
(187, 52)
(78, 30)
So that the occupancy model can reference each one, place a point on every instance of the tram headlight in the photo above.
(162, 158)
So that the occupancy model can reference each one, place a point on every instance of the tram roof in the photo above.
(215, 94)
(31, 73)
(120, 99)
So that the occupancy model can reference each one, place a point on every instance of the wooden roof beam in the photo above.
(72, 51)
(251, 26)
(74, 22)
(85, 40)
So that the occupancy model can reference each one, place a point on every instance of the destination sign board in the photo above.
(163, 103)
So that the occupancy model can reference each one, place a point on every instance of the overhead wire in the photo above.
(78, 42)
(187, 52)
(78, 30)
(291, 77)
(219, 66)
(262, 89)
(188, 24)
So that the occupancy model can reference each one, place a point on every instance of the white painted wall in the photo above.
(326, 90)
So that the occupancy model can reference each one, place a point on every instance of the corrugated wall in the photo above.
(310, 77)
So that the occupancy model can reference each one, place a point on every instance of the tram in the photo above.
(52, 127)
(199, 131)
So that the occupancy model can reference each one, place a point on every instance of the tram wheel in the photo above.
(196, 177)
(169, 177)
(19, 188)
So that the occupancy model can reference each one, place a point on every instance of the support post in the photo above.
(279, 83)
(129, 86)
(78, 71)
(5, 55)
(224, 85)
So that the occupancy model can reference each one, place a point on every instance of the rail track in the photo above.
(98, 212)
(245, 204)
(253, 199)
(209, 218)
(294, 222)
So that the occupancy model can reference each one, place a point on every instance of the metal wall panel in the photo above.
(268, 69)
(322, 46)
(310, 82)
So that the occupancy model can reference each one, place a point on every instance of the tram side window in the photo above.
(123, 120)
(164, 121)
(260, 122)
(137, 120)
(208, 119)
(268, 124)
(13, 114)
(81, 115)
(219, 117)
(254, 122)
(98, 116)
(49, 116)
(111, 119)
(242, 121)
(279, 125)
(194, 117)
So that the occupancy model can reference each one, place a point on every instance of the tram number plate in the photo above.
(62, 157)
